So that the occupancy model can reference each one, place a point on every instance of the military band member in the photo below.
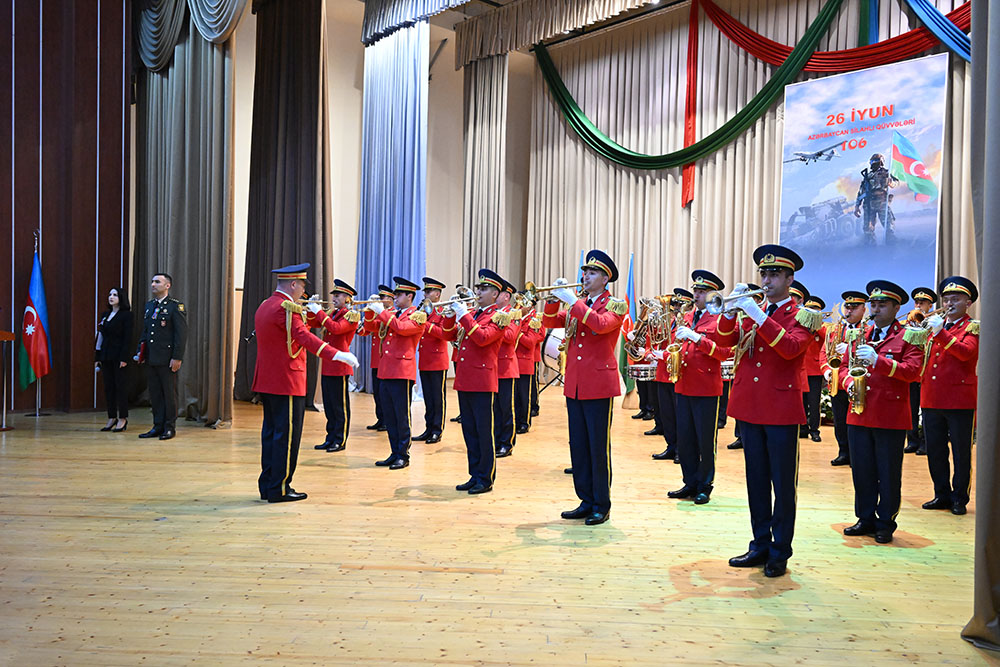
(339, 326)
(371, 328)
(507, 371)
(948, 394)
(479, 337)
(814, 371)
(433, 360)
(727, 387)
(280, 379)
(161, 348)
(766, 401)
(529, 339)
(666, 398)
(854, 312)
(924, 299)
(699, 385)
(879, 415)
(403, 325)
(799, 294)
(593, 324)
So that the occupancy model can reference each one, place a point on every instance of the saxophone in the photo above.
(858, 370)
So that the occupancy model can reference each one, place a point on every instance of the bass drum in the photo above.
(728, 370)
(550, 348)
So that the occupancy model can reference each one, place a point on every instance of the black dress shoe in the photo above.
(420, 438)
(922, 450)
(119, 430)
(534, 413)
(649, 415)
(701, 499)
(465, 487)
(859, 528)
(841, 461)
(108, 427)
(677, 458)
(911, 447)
(883, 536)
(803, 431)
(457, 419)
(683, 492)
(480, 488)
(581, 512)
(374, 427)
(815, 437)
(656, 430)
(958, 509)
(324, 445)
(432, 438)
(937, 504)
(382, 429)
(386, 462)
(399, 464)
(151, 433)
(639, 415)
(597, 518)
(568, 471)
(749, 559)
(167, 434)
(289, 497)
(735, 444)
(503, 452)
(522, 429)
(775, 568)
(664, 455)
(336, 448)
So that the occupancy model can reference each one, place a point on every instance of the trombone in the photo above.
(716, 304)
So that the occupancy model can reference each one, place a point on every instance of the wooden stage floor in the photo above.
(119, 551)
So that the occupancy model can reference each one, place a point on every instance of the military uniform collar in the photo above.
(284, 294)
(959, 321)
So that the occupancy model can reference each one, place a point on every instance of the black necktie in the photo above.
(772, 309)
(478, 313)
(590, 302)
(948, 325)
(697, 316)
(876, 335)
(399, 311)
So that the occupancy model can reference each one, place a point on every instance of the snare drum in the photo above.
(728, 370)
(550, 348)
(642, 371)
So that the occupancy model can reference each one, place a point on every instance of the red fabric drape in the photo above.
(888, 51)
(690, 105)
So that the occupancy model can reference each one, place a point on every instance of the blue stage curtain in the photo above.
(939, 24)
(383, 17)
(392, 231)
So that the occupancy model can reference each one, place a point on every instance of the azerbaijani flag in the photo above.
(627, 324)
(907, 167)
(34, 352)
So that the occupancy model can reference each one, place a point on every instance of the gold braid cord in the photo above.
(291, 310)
(744, 345)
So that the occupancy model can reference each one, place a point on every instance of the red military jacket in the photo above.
(434, 348)
(372, 327)
(528, 342)
(813, 364)
(661, 364)
(399, 349)
(338, 330)
(478, 341)
(701, 362)
(887, 397)
(766, 387)
(591, 363)
(282, 336)
(507, 352)
(949, 375)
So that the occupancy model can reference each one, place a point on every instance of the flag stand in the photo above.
(5, 337)
(38, 401)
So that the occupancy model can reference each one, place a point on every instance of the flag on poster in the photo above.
(34, 351)
(908, 168)
(627, 324)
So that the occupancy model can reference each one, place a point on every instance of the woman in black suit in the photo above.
(114, 340)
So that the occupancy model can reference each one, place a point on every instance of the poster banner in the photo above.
(860, 191)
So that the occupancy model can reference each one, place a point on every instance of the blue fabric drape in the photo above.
(873, 10)
(949, 34)
(392, 230)
(383, 17)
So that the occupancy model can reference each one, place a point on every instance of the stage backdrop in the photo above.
(850, 220)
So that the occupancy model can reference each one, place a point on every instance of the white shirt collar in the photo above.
(285, 293)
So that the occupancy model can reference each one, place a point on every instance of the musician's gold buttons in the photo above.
(758, 380)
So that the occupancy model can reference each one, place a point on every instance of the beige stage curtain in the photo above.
(523, 23)
(983, 630)
(629, 79)
(484, 223)
(184, 211)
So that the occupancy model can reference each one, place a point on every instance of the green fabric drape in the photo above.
(606, 147)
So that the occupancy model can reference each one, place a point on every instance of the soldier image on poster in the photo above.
(873, 195)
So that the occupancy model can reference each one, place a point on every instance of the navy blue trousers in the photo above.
(810, 402)
(697, 426)
(476, 408)
(590, 450)
(377, 394)
(279, 443)
(503, 414)
(877, 471)
(396, 415)
(771, 455)
(913, 436)
(433, 386)
(840, 406)
(522, 400)
(666, 413)
(337, 408)
(940, 427)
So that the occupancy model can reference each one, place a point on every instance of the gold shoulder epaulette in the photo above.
(617, 306)
(535, 323)
(916, 335)
(419, 316)
(352, 316)
(809, 318)
(973, 327)
(501, 318)
(291, 307)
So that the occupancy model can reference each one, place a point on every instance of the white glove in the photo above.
(460, 310)
(630, 336)
(656, 354)
(685, 333)
(373, 297)
(827, 374)
(314, 297)
(313, 307)
(347, 358)
(741, 288)
(641, 353)
(935, 323)
(841, 349)
(561, 281)
(376, 307)
(867, 354)
(565, 295)
(750, 307)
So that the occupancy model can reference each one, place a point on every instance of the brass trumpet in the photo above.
(917, 318)
(324, 302)
(716, 304)
(532, 290)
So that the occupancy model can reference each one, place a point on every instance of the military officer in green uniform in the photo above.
(161, 349)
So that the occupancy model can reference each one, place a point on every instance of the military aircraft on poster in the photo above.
(825, 154)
